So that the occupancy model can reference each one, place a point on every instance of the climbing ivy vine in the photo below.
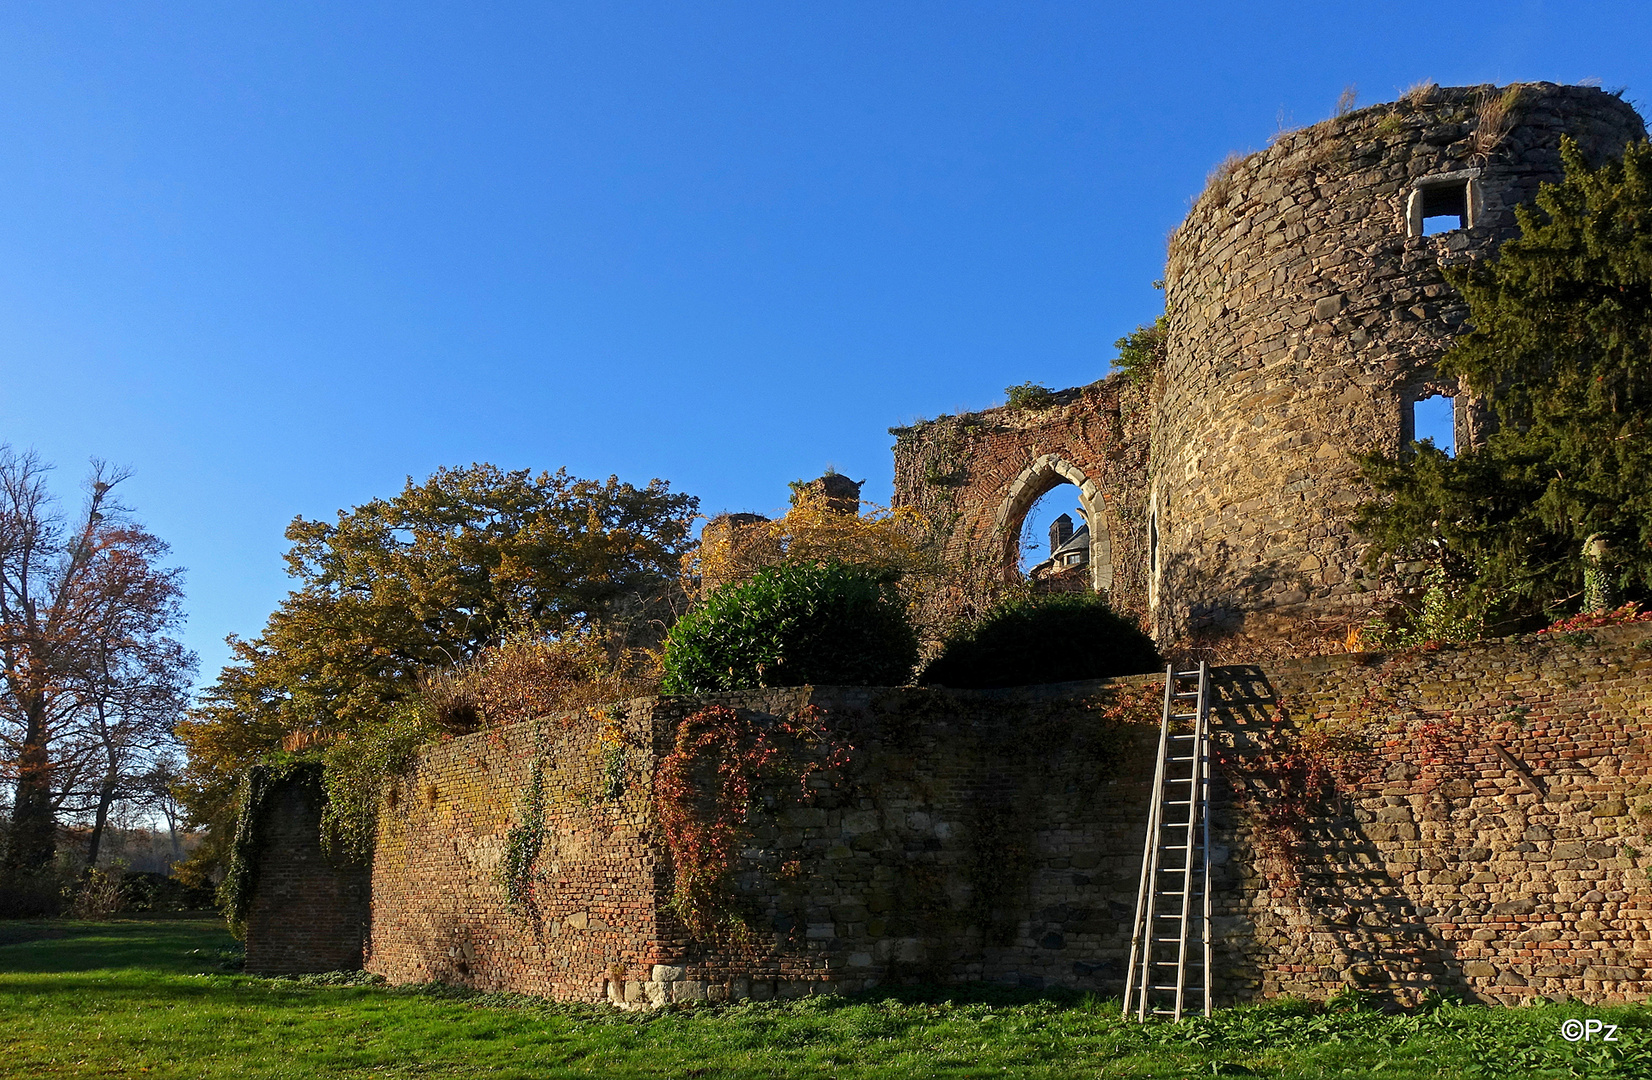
(524, 843)
(705, 792)
(235, 892)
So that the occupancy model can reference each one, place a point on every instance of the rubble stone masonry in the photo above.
(1306, 311)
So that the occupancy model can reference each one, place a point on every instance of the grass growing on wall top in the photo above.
(150, 998)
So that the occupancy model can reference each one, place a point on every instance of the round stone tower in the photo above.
(1306, 314)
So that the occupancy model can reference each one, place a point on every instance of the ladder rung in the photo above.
(1194, 674)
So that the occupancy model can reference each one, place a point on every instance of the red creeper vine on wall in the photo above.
(705, 792)
(1298, 774)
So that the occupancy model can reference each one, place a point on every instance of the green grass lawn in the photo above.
(151, 998)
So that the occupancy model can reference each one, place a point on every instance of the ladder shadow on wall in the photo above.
(1367, 932)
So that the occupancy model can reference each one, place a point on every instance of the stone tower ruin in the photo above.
(1305, 315)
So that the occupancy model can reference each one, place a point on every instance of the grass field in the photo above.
(152, 998)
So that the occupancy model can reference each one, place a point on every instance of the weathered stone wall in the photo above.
(309, 912)
(1497, 845)
(952, 850)
(974, 476)
(1302, 319)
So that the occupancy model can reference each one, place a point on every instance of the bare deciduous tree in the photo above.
(90, 681)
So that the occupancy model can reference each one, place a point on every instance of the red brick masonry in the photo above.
(1499, 847)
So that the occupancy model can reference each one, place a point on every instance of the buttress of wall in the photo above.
(440, 907)
(309, 911)
(1496, 840)
(1302, 319)
(973, 477)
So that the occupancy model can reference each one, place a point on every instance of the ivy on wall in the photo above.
(524, 842)
(601, 776)
(1293, 776)
(706, 790)
(235, 892)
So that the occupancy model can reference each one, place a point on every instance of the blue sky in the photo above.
(277, 258)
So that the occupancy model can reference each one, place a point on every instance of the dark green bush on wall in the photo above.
(827, 625)
(1043, 639)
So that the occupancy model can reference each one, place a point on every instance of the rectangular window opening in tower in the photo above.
(1445, 207)
(1433, 419)
(1442, 203)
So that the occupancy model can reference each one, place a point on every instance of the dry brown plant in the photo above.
(1174, 264)
(1348, 100)
(1219, 184)
(1495, 116)
(1419, 94)
(523, 679)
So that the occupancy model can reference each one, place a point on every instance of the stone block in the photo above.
(1515, 907)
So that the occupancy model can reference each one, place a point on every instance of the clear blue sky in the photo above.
(277, 257)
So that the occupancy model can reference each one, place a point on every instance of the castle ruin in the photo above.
(1493, 849)
(1305, 313)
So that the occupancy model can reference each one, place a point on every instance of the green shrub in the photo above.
(1142, 350)
(1029, 395)
(1043, 639)
(825, 624)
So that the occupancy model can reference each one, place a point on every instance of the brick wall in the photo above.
(976, 835)
(309, 912)
(974, 476)
(1497, 846)
(1500, 846)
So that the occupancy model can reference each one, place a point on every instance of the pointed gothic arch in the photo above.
(1044, 474)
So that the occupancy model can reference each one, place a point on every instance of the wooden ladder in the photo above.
(1169, 973)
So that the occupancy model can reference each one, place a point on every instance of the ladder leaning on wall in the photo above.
(1169, 973)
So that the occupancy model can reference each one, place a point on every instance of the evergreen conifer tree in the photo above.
(1561, 344)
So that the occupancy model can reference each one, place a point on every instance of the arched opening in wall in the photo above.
(1054, 529)
(1054, 541)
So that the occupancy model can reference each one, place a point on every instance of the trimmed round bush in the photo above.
(828, 624)
(1043, 639)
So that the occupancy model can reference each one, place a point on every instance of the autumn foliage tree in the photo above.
(91, 681)
(817, 529)
(430, 579)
